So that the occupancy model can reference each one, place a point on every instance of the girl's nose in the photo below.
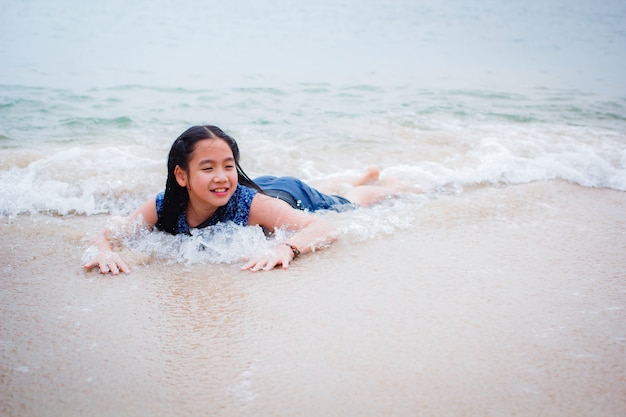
(220, 175)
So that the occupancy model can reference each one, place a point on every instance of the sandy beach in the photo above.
(494, 302)
(499, 291)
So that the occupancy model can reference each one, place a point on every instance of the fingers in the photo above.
(259, 265)
(109, 264)
(89, 265)
(265, 264)
(107, 267)
(124, 266)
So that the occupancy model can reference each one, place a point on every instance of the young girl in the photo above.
(206, 185)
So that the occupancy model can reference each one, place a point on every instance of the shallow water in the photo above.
(494, 302)
(498, 291)
(441, 140)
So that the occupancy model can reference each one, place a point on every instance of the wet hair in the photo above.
(176, 197)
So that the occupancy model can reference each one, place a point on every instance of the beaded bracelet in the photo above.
(294, 249)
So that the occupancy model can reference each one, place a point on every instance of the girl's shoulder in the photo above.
(159, 200)
(243, 196)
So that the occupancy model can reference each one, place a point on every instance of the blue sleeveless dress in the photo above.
(299, 194)
(237, 210)
(293, 191)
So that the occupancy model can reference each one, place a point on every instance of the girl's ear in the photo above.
(181, 176)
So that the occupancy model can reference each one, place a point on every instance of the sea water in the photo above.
(103, 150)
(443, 95)
(465, 99)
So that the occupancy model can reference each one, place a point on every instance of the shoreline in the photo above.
(497, 301)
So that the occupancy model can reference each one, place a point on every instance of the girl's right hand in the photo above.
(283, 256)
(107, 261)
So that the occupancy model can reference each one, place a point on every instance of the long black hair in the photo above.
(176, 197)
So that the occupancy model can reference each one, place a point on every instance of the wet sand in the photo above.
(507, 301)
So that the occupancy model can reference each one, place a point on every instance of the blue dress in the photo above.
(299, 194)
(237, 210)
(289, 189)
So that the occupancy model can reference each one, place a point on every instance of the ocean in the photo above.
(500, 290)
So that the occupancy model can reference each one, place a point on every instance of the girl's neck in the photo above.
(197, 214)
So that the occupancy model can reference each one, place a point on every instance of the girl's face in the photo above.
(211, 178)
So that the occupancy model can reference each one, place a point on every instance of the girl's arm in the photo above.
(101, 252)
(311, 232)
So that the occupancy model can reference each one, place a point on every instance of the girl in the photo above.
(206, 185)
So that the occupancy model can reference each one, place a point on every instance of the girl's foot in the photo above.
(372, 175)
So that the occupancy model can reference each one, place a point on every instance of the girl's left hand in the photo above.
(282, 255)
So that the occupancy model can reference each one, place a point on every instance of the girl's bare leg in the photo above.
(338, 185)
(367, 195)
(366, 189)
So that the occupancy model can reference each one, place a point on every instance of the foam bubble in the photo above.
(222, 243)
(518, 157)
(228, 243)
(80, 181)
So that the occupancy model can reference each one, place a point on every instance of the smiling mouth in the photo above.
(219, 190)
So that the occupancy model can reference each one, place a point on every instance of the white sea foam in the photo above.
(514, 158)
(224, 243)
(116, 180)
(80, 181)
(229, 243)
